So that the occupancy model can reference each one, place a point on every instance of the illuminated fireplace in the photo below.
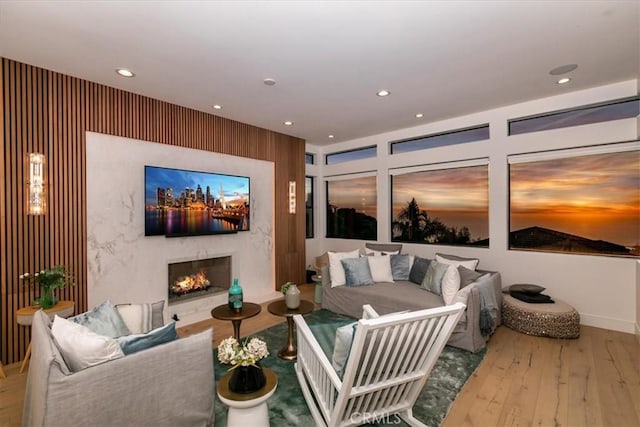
(198, 278)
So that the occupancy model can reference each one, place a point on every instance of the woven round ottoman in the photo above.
(558, 320)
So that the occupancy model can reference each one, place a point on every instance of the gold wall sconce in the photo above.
(36, 184)
(292, 197)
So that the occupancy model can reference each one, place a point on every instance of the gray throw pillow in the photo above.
(400, 267)
(418, 270)
(433, 278)
(467, 276)
(356, 271)
(104, 319)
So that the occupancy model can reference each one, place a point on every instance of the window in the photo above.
(352, 208)
(584, 201)
(309, 159)
(460, 136)
(308, 198)
(444, 204)
(350, 155)
(615, 110)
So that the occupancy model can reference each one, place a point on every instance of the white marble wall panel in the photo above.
(126, 266)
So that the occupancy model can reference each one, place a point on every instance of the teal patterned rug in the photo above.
(287, 406)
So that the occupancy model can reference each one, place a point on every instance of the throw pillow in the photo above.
(134, 343)
(418, 270)
(470, 263)
(141, 318)
(400, 267)
(467, 276)
(526, 288)
(356, 272)
(462, 295)
(433, 278)
(336, 271)
(81, 347)
(342, 346)
(104, 319)
(380, 267)
(450, 284)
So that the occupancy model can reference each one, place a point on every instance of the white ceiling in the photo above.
(329, 58)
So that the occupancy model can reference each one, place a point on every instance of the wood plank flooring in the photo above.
(522, 381)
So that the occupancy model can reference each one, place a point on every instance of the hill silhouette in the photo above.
(540, 238)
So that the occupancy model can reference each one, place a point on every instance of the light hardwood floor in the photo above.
(522, 381)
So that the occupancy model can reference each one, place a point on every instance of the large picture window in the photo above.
(577, 201)
(441, 206)
(352, 208)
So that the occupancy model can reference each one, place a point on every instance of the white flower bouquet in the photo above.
(231, 352)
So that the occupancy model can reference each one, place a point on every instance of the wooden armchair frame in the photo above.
(390, 360)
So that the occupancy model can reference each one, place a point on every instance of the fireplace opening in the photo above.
(199, 278)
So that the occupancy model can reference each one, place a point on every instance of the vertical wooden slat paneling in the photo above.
(44, 111)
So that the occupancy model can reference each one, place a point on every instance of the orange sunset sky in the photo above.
(596, 196)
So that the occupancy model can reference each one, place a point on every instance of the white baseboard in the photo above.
(608, 323)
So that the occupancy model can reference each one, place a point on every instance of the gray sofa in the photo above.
(168, 385)
(387, 298)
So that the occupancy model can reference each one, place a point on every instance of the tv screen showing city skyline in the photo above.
(181, 202)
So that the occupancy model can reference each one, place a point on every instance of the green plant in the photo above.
(285, 287)
(48, 280)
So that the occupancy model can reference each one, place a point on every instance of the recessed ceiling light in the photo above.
(419, 115)
(563, 69)
(383, 92)
(563, 80)
(288, 123)
(269, 82)
(331, 136)
(124, 72)
(217, 107)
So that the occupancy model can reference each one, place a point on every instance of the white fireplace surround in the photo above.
(124, 266)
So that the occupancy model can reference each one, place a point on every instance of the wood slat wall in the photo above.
(47, 112)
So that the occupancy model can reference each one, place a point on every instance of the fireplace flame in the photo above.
(191, 283)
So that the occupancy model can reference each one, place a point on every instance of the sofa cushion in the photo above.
(450, 284)
(433, 278)
(141, 318)
(336, 271)
(470, 263)
(382, 248)
(468, 276)
(137, 342)
(356, 272)
(81, 347)
(380, 267)
(400, 266)
(418, 270)
(103, 319)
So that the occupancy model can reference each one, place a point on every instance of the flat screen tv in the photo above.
(190, 203)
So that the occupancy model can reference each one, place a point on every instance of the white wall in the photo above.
(125, 266)
(603, 289)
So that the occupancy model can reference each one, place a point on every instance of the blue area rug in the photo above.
(287, 406)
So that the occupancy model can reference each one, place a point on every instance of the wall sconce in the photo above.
(36, 194)
(292, 197)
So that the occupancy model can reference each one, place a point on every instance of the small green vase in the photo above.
(47, 299)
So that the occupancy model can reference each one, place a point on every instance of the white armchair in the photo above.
(389, 362)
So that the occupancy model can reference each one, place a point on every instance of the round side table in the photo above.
(248, 409)
(279, 308)
(223, 312)
(24, 317)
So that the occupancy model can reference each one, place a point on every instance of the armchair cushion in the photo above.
(103, 319)
(136, 342)
(81, 347)
(141, 318)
